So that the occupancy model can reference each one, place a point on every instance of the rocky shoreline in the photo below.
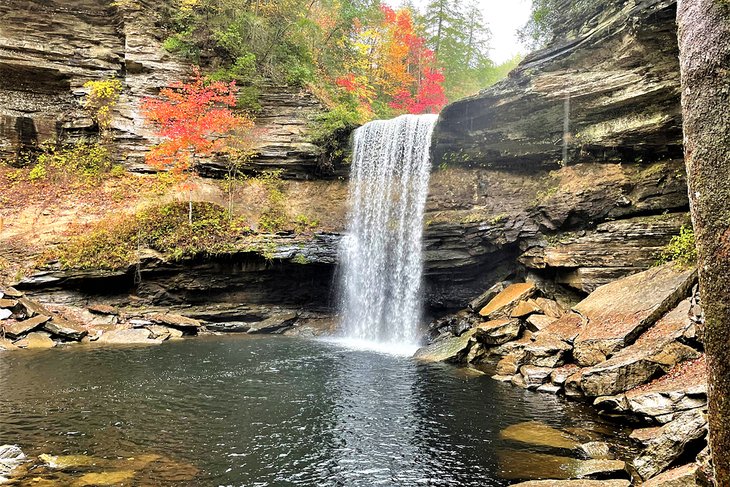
(27, 324)
(633, 348)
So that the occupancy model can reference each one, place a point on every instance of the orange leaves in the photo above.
(393, 65)
(194, 119)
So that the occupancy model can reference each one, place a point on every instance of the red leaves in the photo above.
(194, 119)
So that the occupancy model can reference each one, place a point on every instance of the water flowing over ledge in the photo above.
(381, 255)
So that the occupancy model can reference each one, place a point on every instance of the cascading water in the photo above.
(381, 253)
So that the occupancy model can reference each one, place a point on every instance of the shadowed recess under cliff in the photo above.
(381, 255)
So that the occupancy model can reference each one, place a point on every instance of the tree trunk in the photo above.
(704, 44)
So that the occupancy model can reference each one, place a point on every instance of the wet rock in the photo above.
(476, 354)
(597, 450)
(617, 313)
(119, 477)
(501, 305)
(131, 336)
(547, 351)
(549, 388)
(187, 325)
(16, 329)
(534, 376)
(7, 345)
(452, 350)
(572, 384)
(161, 332)
(509, 365)
(274, 324)
(536, 323)
(574, 483)
(11, 456)
(525, 308)
(685, 476)
(539, 434)
(655, 352)
(560, 375)
(65, 329)
(70, 462)
(498, 332)
(455, 324)
(520, 465)
(670, 443)
(36, 340)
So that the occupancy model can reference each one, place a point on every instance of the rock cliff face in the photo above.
(49, 49)
(572, 165)
(503, 199)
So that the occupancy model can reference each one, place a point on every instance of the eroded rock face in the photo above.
(503, 191)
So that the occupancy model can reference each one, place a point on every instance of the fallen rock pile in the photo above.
(632, 347)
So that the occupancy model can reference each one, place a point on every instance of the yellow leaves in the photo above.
(101, 100)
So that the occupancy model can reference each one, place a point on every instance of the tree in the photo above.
(704, 46)
(195, 120)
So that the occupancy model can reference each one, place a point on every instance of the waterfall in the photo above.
(381, 254)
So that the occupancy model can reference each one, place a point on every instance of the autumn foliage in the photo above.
(391, 62)
(195, 120)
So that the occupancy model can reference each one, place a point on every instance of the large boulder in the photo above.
(655, 352)
(65, 329)
(130, 336)
(452, 350)
(618, 313)
(671, 442)
(498, 332)
(36, 340)
(503, 303)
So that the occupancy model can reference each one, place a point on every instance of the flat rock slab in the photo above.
(131, 336)
(498, 332)
(682, 388)
(567, 328)
(65, 329)
(274, 324)
(36, 340)
(452, 350)
(520, 465)
(15, 329)
(188, 325)
(617, 313)
(539, 434)
(685, 476)
(31, 308)
(574, 483)
(103, 309)
(656, 351)
(503, 303)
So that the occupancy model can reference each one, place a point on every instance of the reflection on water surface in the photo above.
(267, 411)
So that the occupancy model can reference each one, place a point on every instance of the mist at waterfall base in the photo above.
(381, 254)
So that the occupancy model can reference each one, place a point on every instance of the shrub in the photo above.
(681, 249)
(165, 228)
(87, 162)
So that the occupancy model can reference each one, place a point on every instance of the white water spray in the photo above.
(381, 255)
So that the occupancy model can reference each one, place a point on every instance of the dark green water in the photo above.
(244, 411)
